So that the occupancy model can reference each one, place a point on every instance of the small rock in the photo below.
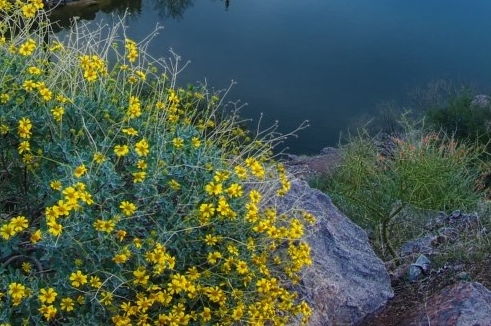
(456, 214)
(481, 101)
(422, 266)
(464, 276)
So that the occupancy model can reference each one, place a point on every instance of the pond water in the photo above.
(326, 61)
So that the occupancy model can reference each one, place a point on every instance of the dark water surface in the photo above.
(326, 61)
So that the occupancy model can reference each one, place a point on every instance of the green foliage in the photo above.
(461, 119)
(125, 199)
(428, 172)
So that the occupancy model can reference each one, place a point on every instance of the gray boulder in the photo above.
(347, 281)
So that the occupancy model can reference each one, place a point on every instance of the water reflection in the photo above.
(62, 14)
(65, 10)
(172, 8)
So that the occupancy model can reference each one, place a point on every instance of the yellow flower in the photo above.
(67, 304)
(49, 312)
(17, 290)
(107, 298)
(61, 209)
(127, 208)
(178, 142)
(36, 236)
(24, 128)
(234, 190)
(80, 171)
(241, 172)
(95, 282)
(78, 278)
(130, 131)
(56, 46)
(27, 48)
(141, 164)
(55, 185)
(140, 74)
(4, 98)
(4, 129)
(141, 276)
(214, 188)
(39, 4)
(47, 295)
(29, 10)
(62, 99)
(211, 240)
(254, 196)
(242, 267)
(134, 107)
(174, 184)
(71, 195)
(213, 257)
(29, 85)
(257, 170)
(54, 228)
(120, 234)
(263, 286)
(223, 207)
(99, 157)
(90, 75)
(7, 231)
(139, 176)
(86, 197)
(34, 70)
(142, 148)
(121, 150)
(45, 93)
(132, 50)
(205, 314)
(121, 258)
(216, 295)
(137, 242)
(104, 225)
(19, 223)
(196, 142)
(57, 113)
(26, 267)
(173, 98)
(207, 210)
(24, 147)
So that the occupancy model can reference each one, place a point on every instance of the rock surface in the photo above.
(347, 281)
(461, 304)
(481, 101)
(305, 167)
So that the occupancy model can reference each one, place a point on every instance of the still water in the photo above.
(326, 61)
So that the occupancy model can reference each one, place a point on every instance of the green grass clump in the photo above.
(427, 172)
(127, 200)
(460, 118)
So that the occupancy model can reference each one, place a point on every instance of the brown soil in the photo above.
(408, 296)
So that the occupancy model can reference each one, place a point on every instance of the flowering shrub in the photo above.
(126, 200)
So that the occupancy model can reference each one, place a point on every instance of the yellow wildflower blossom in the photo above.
(78, 278)
(47, 295)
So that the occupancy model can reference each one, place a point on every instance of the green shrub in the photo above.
(461, 119)
(429, 172)
(127, 200)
